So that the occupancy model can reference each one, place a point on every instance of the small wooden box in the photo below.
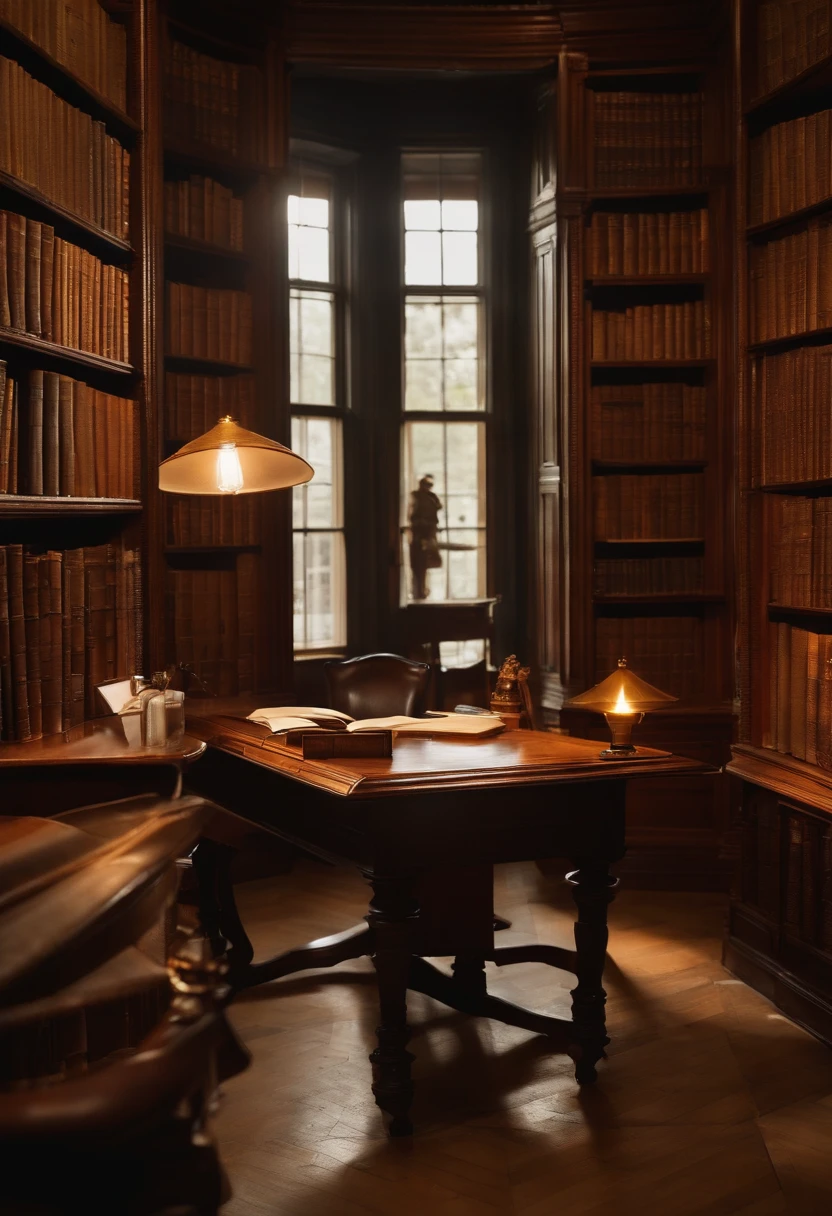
(366, 744)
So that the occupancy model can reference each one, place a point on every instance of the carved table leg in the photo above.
(593, 889)
(218, 907)
(469, 973)
(391, 915)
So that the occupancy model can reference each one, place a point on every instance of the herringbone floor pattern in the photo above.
(711, 1101)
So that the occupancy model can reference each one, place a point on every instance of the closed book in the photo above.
(824, 737)
(6, 681)
(66, 435)
(812, 662)
(16, 269)
(6, 395)
(5, 313)
(17, 636)
(74, 564)
(47, 258)
(784, 684)
(49, 588)
(32, 277)
(31, 613)
(85, 486)
(799, 661)
(34, 434)
(51, 435)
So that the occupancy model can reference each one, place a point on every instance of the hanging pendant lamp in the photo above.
(231, 460)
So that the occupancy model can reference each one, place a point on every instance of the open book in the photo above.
(284, 718)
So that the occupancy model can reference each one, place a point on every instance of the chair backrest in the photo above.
(377, 685)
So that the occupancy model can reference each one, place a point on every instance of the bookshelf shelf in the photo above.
(184, 550)
(817, 620)
(205, 158)
(647, 280)
(607, 193)
(63, 354)
(792, 219)
(66, 84)
(99, 240)
(601, 467)
(648, 363)
(680, 597)
(187, 246)
(24, 506)
(809, 337)
(819, 489)
(762, 111)
(656, 542)
(216, 367)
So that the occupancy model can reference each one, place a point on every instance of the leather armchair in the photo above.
(377, 686)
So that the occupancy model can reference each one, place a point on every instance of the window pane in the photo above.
(315, 212)
(461, 329)
(459, 259)
(460, 214)
(311, 363)
(461, 384)
(423, 328)
(422, 258)
(315, 333)
(316, 380)
(422, 213)
(319, 556)
(423, 384)
(443, 520)
(294, 252)
(313, 254)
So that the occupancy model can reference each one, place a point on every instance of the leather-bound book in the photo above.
(13, 393)
(17, 636)
(5, 313)
(31, 612)
(74, 566)
(51, 435)
(84, 442)
(34, 428)
(95, 638)
(32, 277)
(47, 258)
(66, 643)
(66, 434)
(49, 594)
(16, 269)
(6, 686)
(823, 745)
(799, 662)
(5, 427)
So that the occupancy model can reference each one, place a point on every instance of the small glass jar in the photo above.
(174, 715)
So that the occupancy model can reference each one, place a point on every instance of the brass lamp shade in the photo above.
(257, 464)
(622, 692)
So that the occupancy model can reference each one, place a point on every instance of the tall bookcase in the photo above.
(650, 402)
(780, 929)
(74, 362)
(222, 353)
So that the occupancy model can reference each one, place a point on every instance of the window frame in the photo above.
(483, 292)
(338, 288)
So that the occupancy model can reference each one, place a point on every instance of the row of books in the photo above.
(667, 651)
(790, 283)
(800, 694)
(644, 422)
(801, 552)
(652, 331)
(649, 506)
(68, 621)
(789, 167)
(209, 323)
(193, 404)
(60, 292)
(649, 575)
(211, 621)
(647, 139)
(80, 36)
(213, 101)
(196, 520)
(653, 242)
(60, 437)
(791, 36)
(790, 395)
(204, 210)
(62, 152)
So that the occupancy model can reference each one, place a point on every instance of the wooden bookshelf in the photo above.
(76, 542)
(777, 926)
(232, 581)
(641, 418)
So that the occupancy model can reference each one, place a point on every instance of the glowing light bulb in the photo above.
(229, 470)
(622, 705)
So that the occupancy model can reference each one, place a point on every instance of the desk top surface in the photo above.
(101, 741)
(423, 763)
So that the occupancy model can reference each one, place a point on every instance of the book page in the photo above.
(472, 725)
(291, 717)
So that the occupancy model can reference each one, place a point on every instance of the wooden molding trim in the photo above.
(463, 37)
(783, 775)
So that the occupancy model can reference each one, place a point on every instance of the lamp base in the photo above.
(619, 752)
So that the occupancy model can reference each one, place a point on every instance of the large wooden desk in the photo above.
(425, 827)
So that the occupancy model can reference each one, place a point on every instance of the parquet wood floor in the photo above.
(711, 1101)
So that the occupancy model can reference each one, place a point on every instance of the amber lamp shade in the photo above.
(623, 699)
(231, 460)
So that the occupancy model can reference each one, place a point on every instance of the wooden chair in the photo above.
(377, 686)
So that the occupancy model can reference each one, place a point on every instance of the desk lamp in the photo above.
(623, 699)
(231, 460)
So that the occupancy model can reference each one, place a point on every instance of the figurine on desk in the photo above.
(511, 698)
